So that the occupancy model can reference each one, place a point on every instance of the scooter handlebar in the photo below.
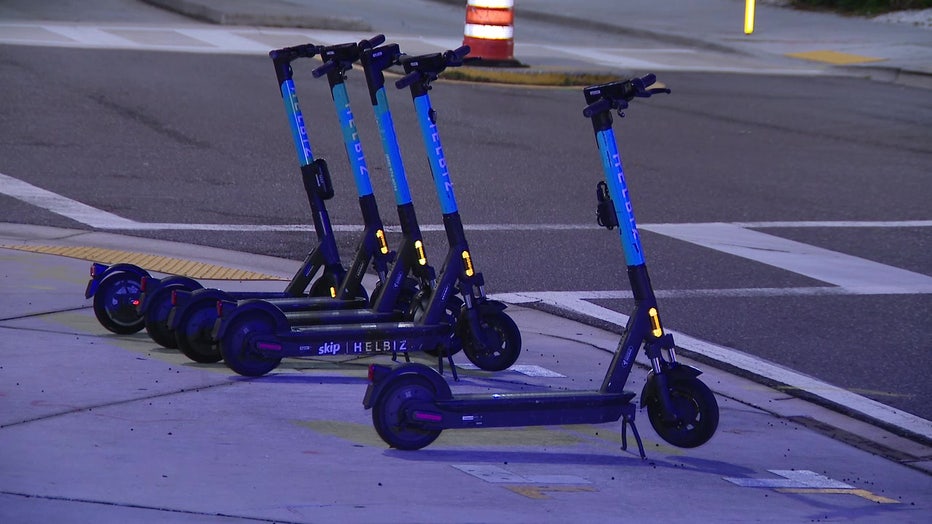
(343, 55)
(293, 52)
(455, 57)
(408, 79)
(616, 95)
(430, 66)
(323, 69)
(375, 41)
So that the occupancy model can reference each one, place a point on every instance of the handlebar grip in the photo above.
(408, 79)
(298, 51)
(597, 107)
(642, 85)
(323, 69)
(455, 57)
(645, 81)
(375, 41)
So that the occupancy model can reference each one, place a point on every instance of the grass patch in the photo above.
(862, 7)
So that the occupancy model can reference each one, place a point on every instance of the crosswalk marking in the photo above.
(852, 273)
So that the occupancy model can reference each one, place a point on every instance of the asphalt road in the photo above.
(202, 139)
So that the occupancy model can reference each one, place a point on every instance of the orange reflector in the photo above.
(421, 256)
(467, 264)
(656, 330)
(383, 245)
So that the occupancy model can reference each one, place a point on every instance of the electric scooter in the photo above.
(392, 302)
(194, 314)
(254, 340)
(118, 289)
(412, 403)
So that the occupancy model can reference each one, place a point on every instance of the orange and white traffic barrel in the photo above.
(490, 31)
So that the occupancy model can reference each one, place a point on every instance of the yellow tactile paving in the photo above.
(161, 264)
(834, 57)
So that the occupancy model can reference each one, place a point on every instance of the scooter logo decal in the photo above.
(356, 151)
(629, 354)
(381, 346)
(329, 348)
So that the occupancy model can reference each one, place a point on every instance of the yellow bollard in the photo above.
(748, 16)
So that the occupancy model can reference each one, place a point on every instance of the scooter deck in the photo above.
(351, 339)
(284, 302)
(343, 316)
(530, 409)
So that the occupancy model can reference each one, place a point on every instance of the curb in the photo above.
(269, 14)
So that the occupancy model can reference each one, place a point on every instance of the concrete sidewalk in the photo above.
(97, 427)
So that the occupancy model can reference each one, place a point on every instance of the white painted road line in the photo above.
(530, 370)
(855, 274)
(851, 275)
(801, 478)
(64, 206)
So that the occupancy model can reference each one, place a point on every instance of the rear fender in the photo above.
(185, 298)
(233, 310)
(153, 286)
(101, 271)
(383, 376)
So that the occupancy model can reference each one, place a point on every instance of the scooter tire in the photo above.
(158, 307)
(195, 332)
(388, 414)
(115, 303)
(236, 345)
(697, 414)
(502, 341)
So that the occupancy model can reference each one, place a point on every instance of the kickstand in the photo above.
(628, 418)
(445, 352)
(395, 356)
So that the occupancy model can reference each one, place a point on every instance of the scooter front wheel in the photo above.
(696, 417)
(115, 303)
(389, 414)
(500, 338)
(236, 345)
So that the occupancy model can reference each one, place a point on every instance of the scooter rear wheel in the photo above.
(501, 338)
(236, 345)
(195, 331)
(158, 306)
(390, 418)
(115, 303)
(696, 414)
